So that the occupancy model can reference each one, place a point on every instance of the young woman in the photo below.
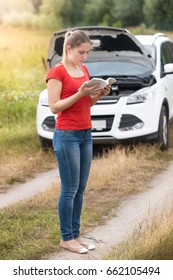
(71, 99)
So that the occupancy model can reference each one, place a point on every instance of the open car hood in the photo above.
(108, 43)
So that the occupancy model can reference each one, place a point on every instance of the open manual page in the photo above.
(100, 82)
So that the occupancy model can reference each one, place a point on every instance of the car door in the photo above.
(167, 57)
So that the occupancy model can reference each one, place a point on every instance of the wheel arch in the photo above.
(163, 131)
(166, 105)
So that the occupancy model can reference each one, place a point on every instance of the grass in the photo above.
(22, 79)
(20, 240)
(22, 75)
(21, 156)
(151, 241)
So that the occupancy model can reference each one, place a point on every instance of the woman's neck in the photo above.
(73, 70)
(70, 65)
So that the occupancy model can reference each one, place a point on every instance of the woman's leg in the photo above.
(85, 164)
(67, 149)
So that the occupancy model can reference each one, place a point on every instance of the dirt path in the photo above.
(27, 190)
(128, 216)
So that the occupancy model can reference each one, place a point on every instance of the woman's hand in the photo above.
(93, 90)
(106, 90)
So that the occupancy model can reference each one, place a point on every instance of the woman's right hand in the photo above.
(93, 90)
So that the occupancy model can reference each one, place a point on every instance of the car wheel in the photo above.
(46, 144)
(163, 130)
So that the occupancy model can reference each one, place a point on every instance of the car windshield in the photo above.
(117, 68)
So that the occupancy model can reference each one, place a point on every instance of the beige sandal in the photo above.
(73, 246)
(85, 244)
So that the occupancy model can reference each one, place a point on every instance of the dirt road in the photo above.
(128, 216)
(27, 190)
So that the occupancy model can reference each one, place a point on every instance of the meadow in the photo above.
(30, 230)
(22, 52)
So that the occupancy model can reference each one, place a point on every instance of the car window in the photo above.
(170, 50)
(165, 56)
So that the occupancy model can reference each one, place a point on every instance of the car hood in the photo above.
(108, 43)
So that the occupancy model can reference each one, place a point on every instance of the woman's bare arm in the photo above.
(57, 104)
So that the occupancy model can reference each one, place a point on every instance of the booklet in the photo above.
(100, 82)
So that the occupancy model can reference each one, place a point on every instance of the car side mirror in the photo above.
(168, 69)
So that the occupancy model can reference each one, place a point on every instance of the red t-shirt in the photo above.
(76, 117)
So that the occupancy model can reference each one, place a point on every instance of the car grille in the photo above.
(128, 121)
(49, 123)
(108, 119)
(111, 98)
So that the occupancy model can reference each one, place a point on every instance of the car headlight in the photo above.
(43, 101)
(141, 96)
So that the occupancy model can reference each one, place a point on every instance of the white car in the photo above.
(140, 104)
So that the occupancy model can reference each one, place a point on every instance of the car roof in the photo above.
(151, 39)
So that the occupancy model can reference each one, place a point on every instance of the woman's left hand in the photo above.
(106, 90)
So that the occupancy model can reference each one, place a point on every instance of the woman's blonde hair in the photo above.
(74, 39)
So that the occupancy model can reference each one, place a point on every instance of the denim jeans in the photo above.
(73, 150)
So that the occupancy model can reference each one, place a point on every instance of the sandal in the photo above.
(73, 246)
(85, 244)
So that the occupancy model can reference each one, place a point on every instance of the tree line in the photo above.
(58, 14)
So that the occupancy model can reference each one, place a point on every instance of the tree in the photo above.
(50, 14)
(72, 12)
(159, 13)
(98, 12)
(130, 12)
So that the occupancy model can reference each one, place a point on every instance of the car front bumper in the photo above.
(119, 121)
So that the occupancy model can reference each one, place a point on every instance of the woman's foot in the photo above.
(73, 246)
(85, 244)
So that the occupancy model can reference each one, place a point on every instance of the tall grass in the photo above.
(22, 75)
(22, 79)
(151, 241)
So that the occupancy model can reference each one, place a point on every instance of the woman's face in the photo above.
(79, 54)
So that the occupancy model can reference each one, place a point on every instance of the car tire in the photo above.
(46, 144)
(163, 139)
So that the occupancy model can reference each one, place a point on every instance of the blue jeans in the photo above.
(73, 149)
